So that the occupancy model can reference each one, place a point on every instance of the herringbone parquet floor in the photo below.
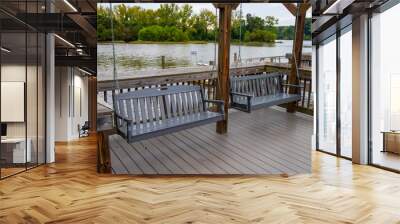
(70, 191)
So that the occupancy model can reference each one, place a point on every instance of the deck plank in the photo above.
(266, 141)
(154, 159)
(162, 155)
(126, 163)
(257, 163)
(277, 146)
(233, 165)
(185, 155)
(187, 148)
(176, 157)
(117, 168)
(134, 156)
(230, 156)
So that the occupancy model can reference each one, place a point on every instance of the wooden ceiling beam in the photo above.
(292, 8)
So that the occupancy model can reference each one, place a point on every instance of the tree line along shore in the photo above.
(171, 23)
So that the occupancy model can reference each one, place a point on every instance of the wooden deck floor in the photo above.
(70, 191)
(267, 141)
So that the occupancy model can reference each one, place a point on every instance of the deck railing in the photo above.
(207, 80)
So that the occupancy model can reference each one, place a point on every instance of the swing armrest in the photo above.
(292, 85)
(124, 118)
(245, 107)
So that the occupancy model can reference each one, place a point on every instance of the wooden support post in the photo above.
(225, 15)
(297, 51)
(103, 152)
(92, 107)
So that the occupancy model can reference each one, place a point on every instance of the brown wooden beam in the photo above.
(304, 7)
(103, 152)
(225, 16)
(297, 51)
(291, 8)
(92, 95)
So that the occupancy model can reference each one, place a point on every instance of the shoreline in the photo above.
(195, 42)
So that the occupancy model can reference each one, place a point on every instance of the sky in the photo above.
(259, 9)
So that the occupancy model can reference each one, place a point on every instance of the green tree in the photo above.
(173, 23)
(159, 33)
(271, 21)
(184, 17)
(254, 23)
(238, 26)
(103, 24)
(204, 25)
(260, 36)
(307, 29)
(168, 15)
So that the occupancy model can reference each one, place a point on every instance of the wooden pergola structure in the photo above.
(298, 10)
(295, 7)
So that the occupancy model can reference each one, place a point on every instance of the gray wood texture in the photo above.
(267, 141)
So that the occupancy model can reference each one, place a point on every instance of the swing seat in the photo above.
(262, 90)
(152, 112)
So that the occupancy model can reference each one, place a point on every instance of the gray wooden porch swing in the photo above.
(153, 112)
(260, 90)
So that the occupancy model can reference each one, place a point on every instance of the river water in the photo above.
(133, 58)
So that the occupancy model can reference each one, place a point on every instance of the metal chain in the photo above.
(215, 38)
(116, 84)
(294, 42)
(240, 33)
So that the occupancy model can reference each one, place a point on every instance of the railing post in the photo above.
(163, 62)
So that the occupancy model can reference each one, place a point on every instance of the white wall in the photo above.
(71, 102)
(62, 81)
(14, 73)
(50, 97)
(80, 103)
(360, 90)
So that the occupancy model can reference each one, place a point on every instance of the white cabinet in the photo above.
(17, 145)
